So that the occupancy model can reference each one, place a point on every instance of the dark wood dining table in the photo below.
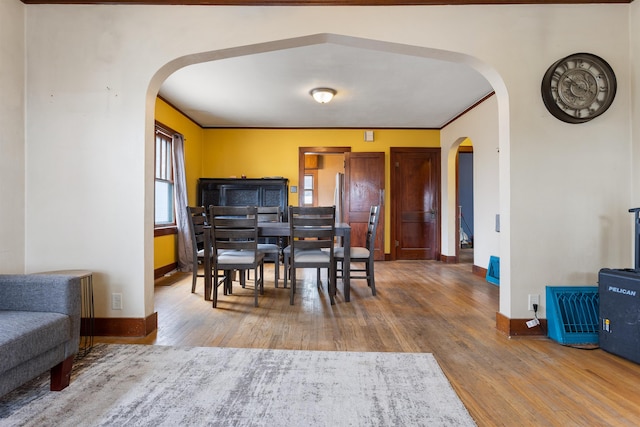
(281, 229)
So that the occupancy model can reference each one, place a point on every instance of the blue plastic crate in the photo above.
(493, 271)
(572, 314)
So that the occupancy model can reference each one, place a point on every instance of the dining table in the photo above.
(281, 230)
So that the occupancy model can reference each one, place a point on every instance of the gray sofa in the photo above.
(39, 328)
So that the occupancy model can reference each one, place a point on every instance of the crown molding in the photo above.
(323, 2)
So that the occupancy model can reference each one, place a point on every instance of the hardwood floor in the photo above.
(421, 306)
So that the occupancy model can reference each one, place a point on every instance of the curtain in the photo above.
(185, 250)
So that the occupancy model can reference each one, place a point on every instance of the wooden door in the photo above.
(415, 212)
(364, 187)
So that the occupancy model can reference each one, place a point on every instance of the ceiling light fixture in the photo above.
(323, 94)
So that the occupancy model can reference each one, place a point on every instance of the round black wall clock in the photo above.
(578, 88)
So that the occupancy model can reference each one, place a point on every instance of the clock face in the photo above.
(578, 88)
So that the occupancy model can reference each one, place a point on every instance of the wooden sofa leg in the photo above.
(61, 374)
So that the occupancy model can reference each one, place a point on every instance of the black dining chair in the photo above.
(235, 247)
(361, 254)
(197, 223)
(312, 233)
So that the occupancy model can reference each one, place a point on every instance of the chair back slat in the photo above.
(313, 244)
(234, 233)
(234, 223)
(313, 221)
(234, 245)
(269, 214)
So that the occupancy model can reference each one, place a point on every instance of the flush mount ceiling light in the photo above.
(323, 94)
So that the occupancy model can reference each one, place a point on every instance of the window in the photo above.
(309, 190)
(164, 200)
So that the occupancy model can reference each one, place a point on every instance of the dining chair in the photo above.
(197, 227)
(312, 232)
(361, 254)
(271, 246)
(235, 247)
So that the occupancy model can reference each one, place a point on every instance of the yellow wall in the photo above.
(257, 153)
(165, 250)
(165, 247)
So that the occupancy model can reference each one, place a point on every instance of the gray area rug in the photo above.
(139, 385)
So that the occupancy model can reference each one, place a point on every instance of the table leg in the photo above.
(207, 264)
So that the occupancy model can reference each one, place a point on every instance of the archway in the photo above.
(451, 227)
(487, 72)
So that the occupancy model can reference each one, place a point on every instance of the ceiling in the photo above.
(374, 89)
(320, 2)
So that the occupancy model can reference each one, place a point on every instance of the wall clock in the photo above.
(578, 88)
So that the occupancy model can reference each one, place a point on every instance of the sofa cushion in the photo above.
(25, 334)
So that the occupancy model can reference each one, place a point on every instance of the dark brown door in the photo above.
(415, 183)
(364, 187)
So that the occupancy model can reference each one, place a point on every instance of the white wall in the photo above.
(12, 185)
(490, 161)
(634, 72)
(93, 74)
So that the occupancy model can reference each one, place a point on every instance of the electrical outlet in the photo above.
(533, 299)
(116, 301)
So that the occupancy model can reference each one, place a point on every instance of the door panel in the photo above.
(416, 202)
(364, 187)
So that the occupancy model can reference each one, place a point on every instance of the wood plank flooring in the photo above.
(421, 306)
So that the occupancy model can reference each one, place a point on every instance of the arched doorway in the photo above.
(483, 69)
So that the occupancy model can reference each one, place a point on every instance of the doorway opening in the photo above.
(464, 203)
(318, 170)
